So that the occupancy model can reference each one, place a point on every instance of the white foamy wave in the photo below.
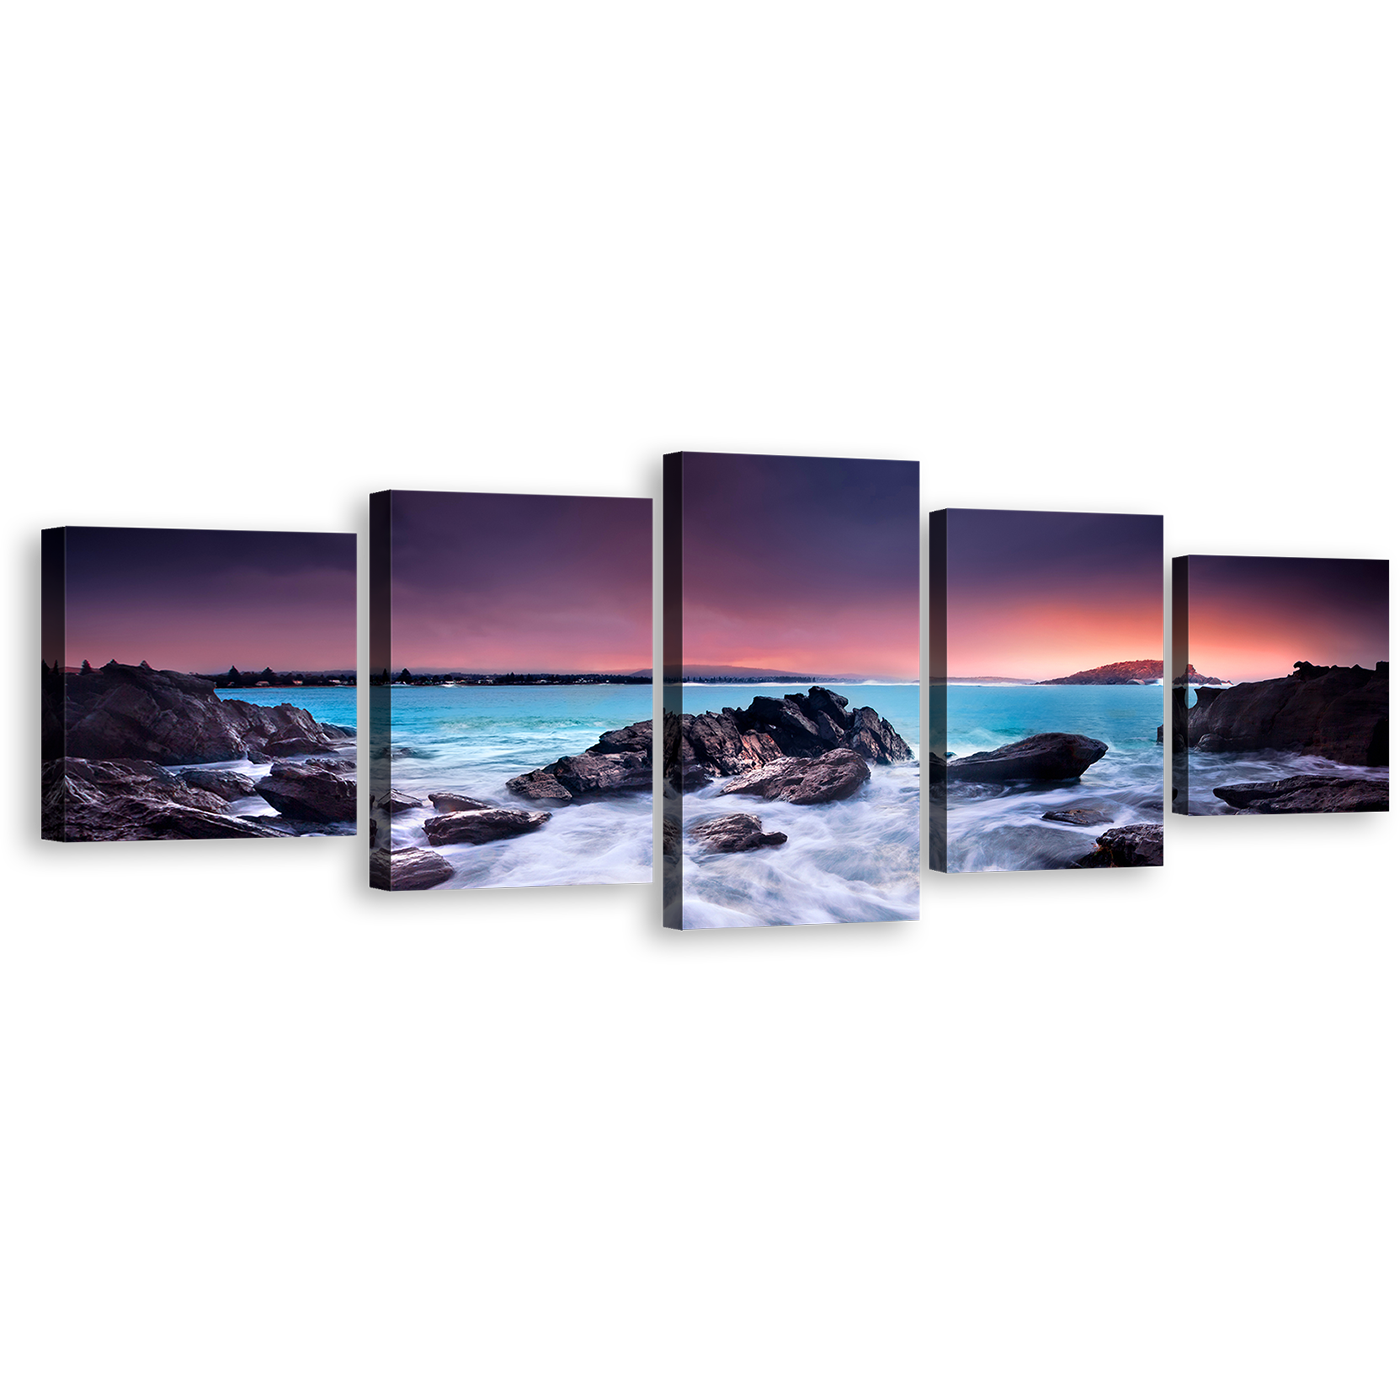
(854, 861)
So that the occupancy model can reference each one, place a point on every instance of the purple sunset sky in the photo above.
(493, 582)
(1041, 593)
(802, 563)
(205, 600)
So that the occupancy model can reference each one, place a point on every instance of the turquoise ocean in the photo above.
(1001, 826)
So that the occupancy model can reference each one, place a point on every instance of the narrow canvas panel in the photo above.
(197, 684)
(1045, 690)
(511, 696)
(791, 690)
(1281, 685)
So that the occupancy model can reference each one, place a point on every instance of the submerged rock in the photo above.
(737, 832)
(1308, 793)
(805, 781)
(1336, 712)
(479, 827)
(1125, 846)
(1041, 758)
(1075, 816)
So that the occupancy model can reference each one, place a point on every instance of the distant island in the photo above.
(1191, 676)
(981, 680)
(1115, 673)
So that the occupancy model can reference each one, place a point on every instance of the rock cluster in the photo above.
(110, 801)
(132, 713)
(699, 748)
(1336, 712)
(619, 762)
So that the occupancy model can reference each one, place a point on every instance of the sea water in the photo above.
(853, 861)
(1002, 826)
(328, 704)
(1209, 771)
(471, 739)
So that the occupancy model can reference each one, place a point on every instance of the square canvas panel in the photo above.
(1045, 690)
(1281, 685)
(791, 692)
(511, 704)
(197, 684)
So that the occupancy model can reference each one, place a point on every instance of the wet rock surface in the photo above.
(737, 832)
(1125, 846)
(1076, 816)
(1041, 758)
(314, 791)
(220, 781)
(805, 781)
(394, 801)
(412, 869)
(1307, 793)
(478, 827)
(456, 802)
(619, 762)
(86, 800)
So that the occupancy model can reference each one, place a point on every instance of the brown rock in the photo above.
(737, 832)
(410, 869)
(477, 828)
(805, 781)
(309, 792)
(455, 802)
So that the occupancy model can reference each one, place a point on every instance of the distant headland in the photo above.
(1115, 673)
(407, 677)
(232, 679)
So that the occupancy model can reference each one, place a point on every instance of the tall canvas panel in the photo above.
(511, 696)
(791, 654)
(1045, 690)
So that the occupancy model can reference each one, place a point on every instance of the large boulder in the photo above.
(477, 828)
(309, 792)
(1309, 793)
(1041, 758)
(132, 713)
(805, 782)
(740, 831)
(1125, 846)
(1336, 712)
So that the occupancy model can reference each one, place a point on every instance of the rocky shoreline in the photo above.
(1336, 712)
(803, 750)
(122, 745)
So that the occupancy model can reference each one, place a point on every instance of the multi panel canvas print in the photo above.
(511, 696)
(1045, 690)
(1280, 685)
(197, 684)
(791, 624)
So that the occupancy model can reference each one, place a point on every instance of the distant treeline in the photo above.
(232, 679)
(757, 680)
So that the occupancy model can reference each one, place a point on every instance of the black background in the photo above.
(308, 900)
